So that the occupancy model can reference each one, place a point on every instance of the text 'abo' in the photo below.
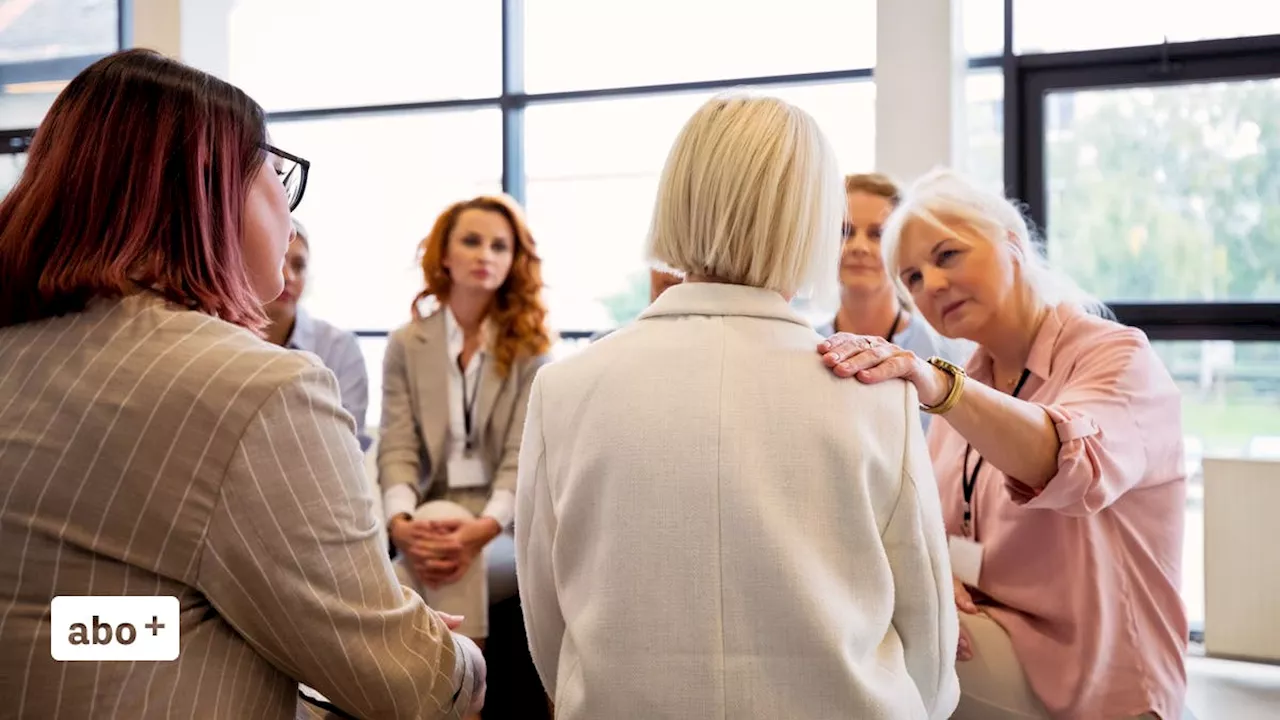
(126, 628)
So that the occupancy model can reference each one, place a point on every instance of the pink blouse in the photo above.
(1084, 573)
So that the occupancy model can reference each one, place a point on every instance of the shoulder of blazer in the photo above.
(423, 329)
(264, 363)
(528, 367)
(535, 363)
(231, 375)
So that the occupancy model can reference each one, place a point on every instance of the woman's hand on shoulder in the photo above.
(871, 360)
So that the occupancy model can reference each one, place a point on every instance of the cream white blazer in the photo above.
(709, 524)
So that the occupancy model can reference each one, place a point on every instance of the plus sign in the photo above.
(154, 626)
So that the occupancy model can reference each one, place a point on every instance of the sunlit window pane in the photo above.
(302, 54)
(984, 121)
(1041, 26)
(582, 44)
(377, 184)
(1167, 193)
(50, 29)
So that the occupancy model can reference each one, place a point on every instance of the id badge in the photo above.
(966, 559)
(466, 472)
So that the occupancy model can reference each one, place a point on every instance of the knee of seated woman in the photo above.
(442, 510)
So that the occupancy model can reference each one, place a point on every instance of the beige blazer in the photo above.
(415, 416)
(151, 450)
(709, 524)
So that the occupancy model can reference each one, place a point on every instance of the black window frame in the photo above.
(1030, 78)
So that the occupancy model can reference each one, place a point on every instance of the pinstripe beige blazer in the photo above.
(150, 450)
(413, 434)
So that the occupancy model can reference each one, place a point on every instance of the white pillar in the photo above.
(920, 75)
(196, 32)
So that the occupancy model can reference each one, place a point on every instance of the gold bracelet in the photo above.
(958, 376)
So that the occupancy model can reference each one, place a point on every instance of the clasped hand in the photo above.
(442, 551)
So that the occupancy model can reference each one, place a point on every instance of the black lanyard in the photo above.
(971, 481)
(897, 320)
(469, 404)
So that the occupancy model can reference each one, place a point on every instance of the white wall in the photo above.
(920, 78)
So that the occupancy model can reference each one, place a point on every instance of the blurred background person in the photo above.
(294, 328)
(709, 524)
(870, 301)
(455, 387)
(1059, 458)
(659, 281)
(152, 443)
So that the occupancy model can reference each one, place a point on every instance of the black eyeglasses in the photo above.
(293, 172)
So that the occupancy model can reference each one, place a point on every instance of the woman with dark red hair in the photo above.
(455, 384)
(152, 443)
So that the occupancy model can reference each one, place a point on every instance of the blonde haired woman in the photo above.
(1059, 458)
(707, 523)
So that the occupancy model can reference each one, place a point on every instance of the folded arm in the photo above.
(1102, 451)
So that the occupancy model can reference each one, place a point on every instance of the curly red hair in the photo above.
(518, 316)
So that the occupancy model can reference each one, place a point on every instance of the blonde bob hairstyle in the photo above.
(751, 194)
(947, 200)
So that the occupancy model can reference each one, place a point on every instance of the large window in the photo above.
(1169, 192)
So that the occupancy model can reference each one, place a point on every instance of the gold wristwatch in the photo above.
(958, 376)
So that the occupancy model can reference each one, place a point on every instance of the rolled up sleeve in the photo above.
(1112, 393)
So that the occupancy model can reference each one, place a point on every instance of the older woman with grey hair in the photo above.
(1058, 452)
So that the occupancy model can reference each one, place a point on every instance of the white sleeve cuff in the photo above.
(399, 499)
(501, 507)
